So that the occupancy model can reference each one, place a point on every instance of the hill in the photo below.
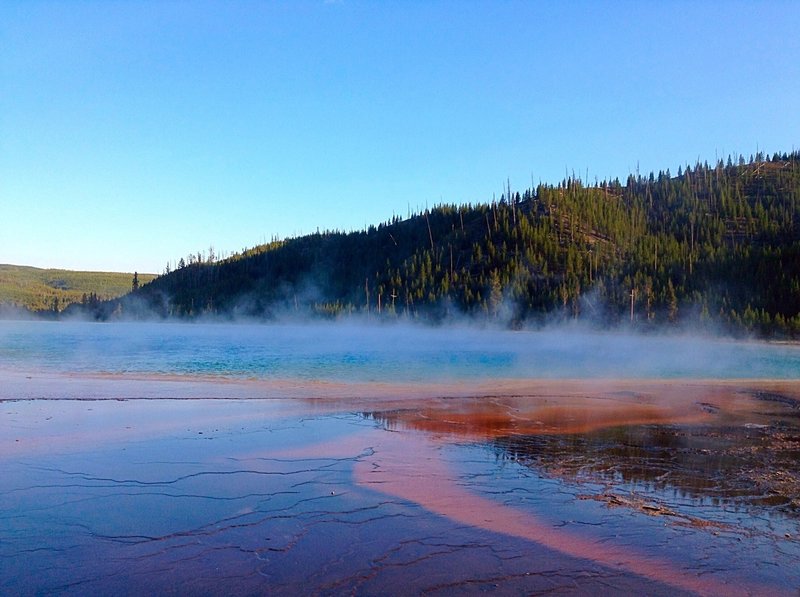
(712, 245)
(52, 290)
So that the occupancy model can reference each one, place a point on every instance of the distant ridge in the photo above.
(24, 288)
(715, 245)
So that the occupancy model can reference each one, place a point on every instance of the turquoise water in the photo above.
(391, 353)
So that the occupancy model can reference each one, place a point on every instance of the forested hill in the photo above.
(718, 244)
(29, 291)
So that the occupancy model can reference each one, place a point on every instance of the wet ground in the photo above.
(517, 487)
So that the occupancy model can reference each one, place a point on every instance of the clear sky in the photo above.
(135, 132)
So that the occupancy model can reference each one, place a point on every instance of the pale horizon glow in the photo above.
(134, 133)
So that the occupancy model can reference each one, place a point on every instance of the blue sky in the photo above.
(133, 133)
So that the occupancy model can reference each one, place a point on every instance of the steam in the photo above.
(285, 338)
(364, 350)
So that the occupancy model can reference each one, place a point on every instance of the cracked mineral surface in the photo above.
(616, 492)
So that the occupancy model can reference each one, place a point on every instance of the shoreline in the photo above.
(452, 412)
(48, 385)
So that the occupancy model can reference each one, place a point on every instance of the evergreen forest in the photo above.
(30, 291)
(712, 245)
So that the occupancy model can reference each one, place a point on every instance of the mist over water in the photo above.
(352, 351)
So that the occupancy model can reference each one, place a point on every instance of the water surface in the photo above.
(391, 352)
(218, 459)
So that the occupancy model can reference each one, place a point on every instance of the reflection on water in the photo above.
(734, 466)
(740, 454)
(719, 469)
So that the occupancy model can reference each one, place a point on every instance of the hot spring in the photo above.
(361, 458)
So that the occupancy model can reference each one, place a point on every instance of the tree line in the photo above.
(712, 245)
